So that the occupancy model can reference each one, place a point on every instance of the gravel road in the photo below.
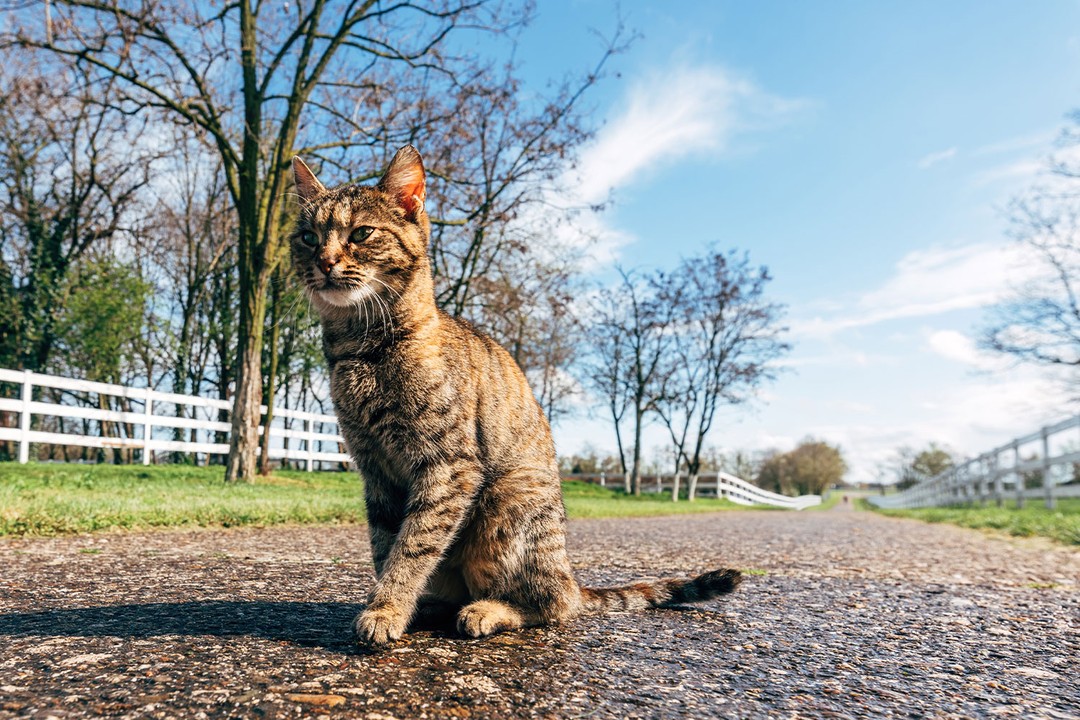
(844, 614)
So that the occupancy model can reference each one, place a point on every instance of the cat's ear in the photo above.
(308, 186)
(404, 181)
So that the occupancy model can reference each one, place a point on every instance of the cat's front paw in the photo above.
(380, 625)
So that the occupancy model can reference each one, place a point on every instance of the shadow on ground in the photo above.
(321, 625)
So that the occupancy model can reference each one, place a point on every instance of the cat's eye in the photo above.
(309, 238)
(361, 233)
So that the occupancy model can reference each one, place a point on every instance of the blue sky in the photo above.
(864, 152)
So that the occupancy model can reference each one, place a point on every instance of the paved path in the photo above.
(848, 614)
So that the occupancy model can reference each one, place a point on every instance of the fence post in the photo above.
(309, 429)
(1018, 476)
(24, 418)
(1048, 481)
(999, 482)
(983, 485)
(148, 423)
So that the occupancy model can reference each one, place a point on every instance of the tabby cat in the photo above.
(463, 494)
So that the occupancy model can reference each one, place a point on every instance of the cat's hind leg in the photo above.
(519, 579)
(486, 617)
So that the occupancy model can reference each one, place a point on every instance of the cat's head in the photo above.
(353, 242)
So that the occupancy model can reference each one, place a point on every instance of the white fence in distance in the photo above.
(1047, 456)
(304, 445)
(720, 485)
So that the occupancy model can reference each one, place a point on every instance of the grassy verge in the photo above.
(585, 500)
(1061, 524)
(831, 500)
(48, 499)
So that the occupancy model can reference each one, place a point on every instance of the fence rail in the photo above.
(719, 484)
(1044, 464)
(306, 445)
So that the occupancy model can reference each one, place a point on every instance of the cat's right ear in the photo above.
(308, 186)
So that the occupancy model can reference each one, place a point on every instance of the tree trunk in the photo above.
(691, 486)
(675, 487)
(635, 477)
(241, 464)
(271, 375)
(244, 432)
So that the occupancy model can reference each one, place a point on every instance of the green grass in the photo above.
(48, 499)
(57, 499)
(1061, 524)
(585, 500)
(829, 501)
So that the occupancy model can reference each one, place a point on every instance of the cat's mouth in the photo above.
(342, 295)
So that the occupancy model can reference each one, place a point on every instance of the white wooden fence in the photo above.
(1039, 465)
(308, 445)
(721, 484)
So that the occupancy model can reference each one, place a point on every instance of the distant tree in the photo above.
(99, 328)
(102, 319)
(69, 180)
(606, 366)
(724, 342)
(933, 461)
(809, 469)
(589, 461)
(630, 338)
(531, 312)
(1040, 323)
(740, 463)
(901, 467)
(909, 467)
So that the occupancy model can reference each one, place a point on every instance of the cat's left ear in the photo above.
(404, 180)
(308, 186)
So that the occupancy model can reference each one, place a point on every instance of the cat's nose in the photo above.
(326, 264)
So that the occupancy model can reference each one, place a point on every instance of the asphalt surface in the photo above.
(843, 614)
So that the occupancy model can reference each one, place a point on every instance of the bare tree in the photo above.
(631, 337)
(723, 345)
(606, 366)
(1040, 324)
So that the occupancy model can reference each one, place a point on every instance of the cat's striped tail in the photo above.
(660, 593)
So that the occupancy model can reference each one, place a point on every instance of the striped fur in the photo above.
(463, 494)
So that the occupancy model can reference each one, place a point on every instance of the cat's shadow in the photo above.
(320, 625)
(308, 624)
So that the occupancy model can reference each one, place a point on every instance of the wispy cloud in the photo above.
(956, 346)
(930, 282)
(664, 117)
(669, 115)
(1017, 172)
(935, 158)
(1032, 142)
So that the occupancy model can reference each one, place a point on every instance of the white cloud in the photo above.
(663, 118)
(669, 115)
(930, 282)
(972, 417)
(935, 158)
(957, 346)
